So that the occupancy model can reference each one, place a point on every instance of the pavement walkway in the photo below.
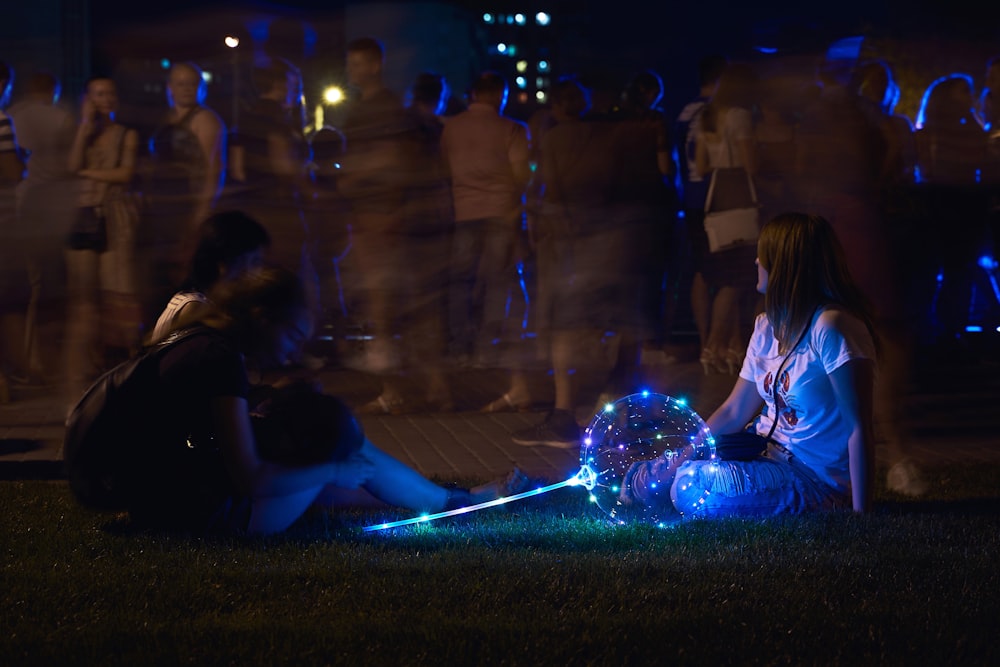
(951, 412)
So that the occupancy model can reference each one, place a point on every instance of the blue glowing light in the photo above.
(581, 478)
(639, 428)
(988, 263)
(165, 63)
(919, 123)
(848, 48)
(543, 65)
(542, 18)
(766, 49)
(501, 47)
(519, 19)
(972, 328)
(644, 428)
(487, 18)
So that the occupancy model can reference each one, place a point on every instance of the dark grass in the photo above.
(545, 581)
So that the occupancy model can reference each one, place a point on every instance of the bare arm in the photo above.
(262, 479)
(742, 405)
(701, 165)
(853, 385)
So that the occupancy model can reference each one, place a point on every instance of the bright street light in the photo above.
(333, 95)
(232, 42)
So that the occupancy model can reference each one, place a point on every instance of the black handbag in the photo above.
(89, 230)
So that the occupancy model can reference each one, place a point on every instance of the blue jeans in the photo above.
(481, 277)
(769, 485)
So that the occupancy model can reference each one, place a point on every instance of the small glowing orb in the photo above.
(232, 42)
(638, 428)
(333, 95)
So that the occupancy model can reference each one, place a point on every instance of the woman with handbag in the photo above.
(102, 305)
(810, 365)
(725, 155)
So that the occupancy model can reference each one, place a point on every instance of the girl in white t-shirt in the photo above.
(810, 365)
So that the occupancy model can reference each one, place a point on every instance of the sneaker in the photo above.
(558, 429)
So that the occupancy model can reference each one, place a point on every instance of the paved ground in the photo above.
(952, 413)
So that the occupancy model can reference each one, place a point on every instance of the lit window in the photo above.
(501, 48)
(521, 82)
(487, 18)
(543, 65)
(519, 19)
(522, 66)
(541, 96)
(542, 18)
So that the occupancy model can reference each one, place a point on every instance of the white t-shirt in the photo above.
(165, 323)
(810, 424)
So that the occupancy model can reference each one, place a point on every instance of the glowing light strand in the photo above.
(584, 477)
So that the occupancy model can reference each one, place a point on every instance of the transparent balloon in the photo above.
(630, 452)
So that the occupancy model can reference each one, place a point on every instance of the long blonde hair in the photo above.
(806, 270)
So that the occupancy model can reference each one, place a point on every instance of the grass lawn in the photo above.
(545, 581)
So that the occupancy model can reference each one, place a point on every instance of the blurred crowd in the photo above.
(443, 233)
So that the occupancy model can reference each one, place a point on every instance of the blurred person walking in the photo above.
(372, 181)
(13, 277)
(187, 165)
(46, 203)
(725, 148)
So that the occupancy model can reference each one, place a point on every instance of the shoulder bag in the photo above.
(731, 227)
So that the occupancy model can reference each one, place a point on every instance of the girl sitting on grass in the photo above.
(202, 469)
(810, 365)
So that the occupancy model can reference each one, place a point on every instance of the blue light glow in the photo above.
(848, 48)
(987, 263)
(521, 82)
(579, 479)
(919, 123)
(972, 328)
(165, 63)
(487, 18)
(543, 65)
(766, 49)
(542, 18)
(519, 19)
(501, 47)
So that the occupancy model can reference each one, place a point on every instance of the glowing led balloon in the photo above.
(650, 434)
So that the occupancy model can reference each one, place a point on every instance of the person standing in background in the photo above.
(489, 162)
